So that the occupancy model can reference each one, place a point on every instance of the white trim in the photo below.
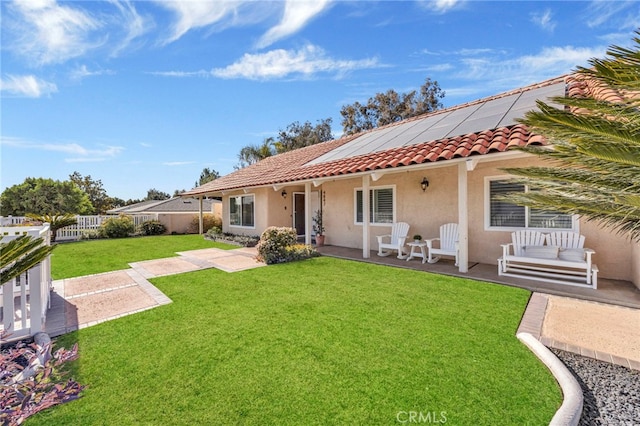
(373, 188)
(575, 224)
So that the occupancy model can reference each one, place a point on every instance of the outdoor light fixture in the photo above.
(424, 184)
(284, 193)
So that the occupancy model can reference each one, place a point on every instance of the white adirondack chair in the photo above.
(448, 243)
(393, 241)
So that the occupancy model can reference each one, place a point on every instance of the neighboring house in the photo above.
(460, 151)
(176, 213)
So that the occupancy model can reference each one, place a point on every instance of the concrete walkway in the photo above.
(605, 332)
(85, 301)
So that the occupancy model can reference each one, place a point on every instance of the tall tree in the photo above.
(44, 196)
(251, 154)
(155, 194)
(298, 135)
(95, 191)
(390, 107)
(596, 147)
(207, 175)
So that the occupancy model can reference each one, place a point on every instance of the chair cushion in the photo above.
(541, 252)
(572, 254)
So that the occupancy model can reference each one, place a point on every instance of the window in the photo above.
(506, 215)
(380, 205)
(241, 211)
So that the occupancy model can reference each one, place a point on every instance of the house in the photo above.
(459, 151)
(177, 213)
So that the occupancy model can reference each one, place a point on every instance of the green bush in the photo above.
(117, 227)
(208, 221)
(278, 245)
(152, 227)
(216, 234)
(300, 252)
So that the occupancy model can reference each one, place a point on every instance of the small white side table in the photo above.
(422, 253)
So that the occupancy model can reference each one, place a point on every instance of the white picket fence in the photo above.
(85, 224)
(25, 299)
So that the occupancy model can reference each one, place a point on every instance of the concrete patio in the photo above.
(622, 293)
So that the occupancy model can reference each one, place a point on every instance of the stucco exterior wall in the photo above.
(616, 256)
(178, 223)
(635, 264)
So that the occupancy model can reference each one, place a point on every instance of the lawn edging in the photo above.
(571, 409)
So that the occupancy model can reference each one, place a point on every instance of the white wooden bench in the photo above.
(557, 257)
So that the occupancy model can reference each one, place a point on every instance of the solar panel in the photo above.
(490, 114)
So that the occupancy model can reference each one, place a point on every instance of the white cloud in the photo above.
(441, 6)
(181, 74)
(296, 15)
(27, 85)
(47, 32)
(134, 24)
(197, 14)
(82, 72)
(499, 73)
(605, 12)
(558, 59)
(544, 20)
(77, 152)
(280, 63)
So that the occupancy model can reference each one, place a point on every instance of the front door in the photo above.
(299, 213)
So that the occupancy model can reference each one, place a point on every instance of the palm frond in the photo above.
(20, 255)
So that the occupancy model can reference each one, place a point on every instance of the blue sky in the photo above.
(146, 94)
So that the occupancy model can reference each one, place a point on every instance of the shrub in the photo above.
(301, 252)
(208, 221)
(117, 227)
(278, 245)
(152, 227)
(216, 234)
(91, 235)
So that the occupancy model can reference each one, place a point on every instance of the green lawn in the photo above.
(321, 341)
(96, 256)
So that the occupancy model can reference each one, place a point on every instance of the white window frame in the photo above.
(375, 188)
(241, 196)
(487, 211)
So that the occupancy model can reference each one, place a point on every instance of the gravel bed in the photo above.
(611, 392)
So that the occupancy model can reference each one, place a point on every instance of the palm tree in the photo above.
(55, 221)
(251, 154)
(21, 254)
(594, 168)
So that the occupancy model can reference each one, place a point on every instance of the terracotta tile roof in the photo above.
(486, 142)
(272, 170)
(293, 166)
